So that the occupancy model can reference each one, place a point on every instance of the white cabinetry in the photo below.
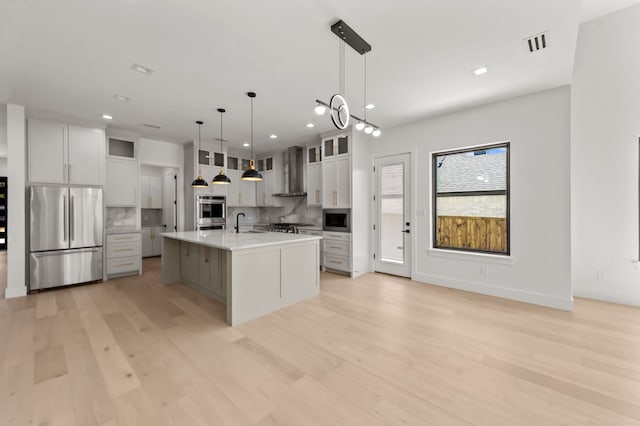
(204, 267)
(60, 153)
(151, 241)
(336, 182)
(240, 193)
(336, 250)
(123, 254)
(314, 184)
(150, 192)
(318, 232)
(347, 167)
(271, 169)
(121, 183)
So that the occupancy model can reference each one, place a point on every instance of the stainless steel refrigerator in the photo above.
(65, 231)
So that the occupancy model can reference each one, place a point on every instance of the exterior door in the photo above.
(393, 215)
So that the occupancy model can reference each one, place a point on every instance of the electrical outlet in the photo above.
(599, 275)
(484, 271)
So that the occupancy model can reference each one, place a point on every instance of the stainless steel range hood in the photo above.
(293, 174)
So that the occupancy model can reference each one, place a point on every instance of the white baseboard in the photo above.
(11, 292)
(502, 292)
(610, 295)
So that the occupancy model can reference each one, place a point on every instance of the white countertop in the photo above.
(227, 240)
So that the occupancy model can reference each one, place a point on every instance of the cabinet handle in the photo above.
(124, 264)
(337, 248)
(69, 173)
(317, 196)
(127, 249)
(335, 261)
(122, 238)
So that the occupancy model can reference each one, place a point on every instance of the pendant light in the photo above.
(199, 182)
(221, 178)
(251, 174)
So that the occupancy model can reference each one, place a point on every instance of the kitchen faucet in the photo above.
(238, 221)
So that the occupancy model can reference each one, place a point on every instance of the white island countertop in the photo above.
(228, 240)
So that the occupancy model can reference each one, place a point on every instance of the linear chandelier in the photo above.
(338, 106)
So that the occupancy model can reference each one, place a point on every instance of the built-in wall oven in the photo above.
(336, 220)
(211, 212)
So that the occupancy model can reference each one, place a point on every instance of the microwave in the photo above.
(210, 210)
(336, 220)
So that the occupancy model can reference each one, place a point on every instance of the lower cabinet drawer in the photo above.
(123, 250)
(337, 262)
(124, 238)
(339, 248)
(122, 265)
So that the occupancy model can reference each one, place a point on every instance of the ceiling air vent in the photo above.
(537, 42)
(153, 126)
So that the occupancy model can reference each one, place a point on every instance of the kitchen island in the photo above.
(254, 273)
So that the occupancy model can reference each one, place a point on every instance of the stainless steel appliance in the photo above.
(65, 235)
(337, 220)
(294, 175)
(211, 212)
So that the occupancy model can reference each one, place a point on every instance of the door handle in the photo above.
(65, 218)
(406, 231)
(72, 217)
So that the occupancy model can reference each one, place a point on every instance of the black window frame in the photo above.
(506, 192)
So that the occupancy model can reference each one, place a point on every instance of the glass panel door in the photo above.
(393, 223)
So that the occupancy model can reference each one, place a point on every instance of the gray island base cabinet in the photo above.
(254, 274)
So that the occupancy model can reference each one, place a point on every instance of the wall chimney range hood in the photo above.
(294, 158)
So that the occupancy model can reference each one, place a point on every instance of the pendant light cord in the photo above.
(252, 159)
(365, 87)
(341, 68)
(221, 138)
(198, 153)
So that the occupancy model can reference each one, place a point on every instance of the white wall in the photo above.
(3, 131)
(3, 140)
(160, 153)
(16, 149)
(538, 128)
(604, 165)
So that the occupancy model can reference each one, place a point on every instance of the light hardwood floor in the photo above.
(376, 350)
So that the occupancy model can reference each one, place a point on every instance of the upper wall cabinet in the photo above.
(60, 153)
(121, 188)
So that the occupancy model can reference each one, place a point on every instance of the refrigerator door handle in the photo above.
(65, 219)
(72, 218)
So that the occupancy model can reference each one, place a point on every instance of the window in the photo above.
(471, 199)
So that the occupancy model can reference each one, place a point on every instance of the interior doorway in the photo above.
(392, 227)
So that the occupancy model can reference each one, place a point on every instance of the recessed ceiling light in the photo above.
(370, 106)
(107, 117)
(246, 144)
(310, 125)
(121, 98)
(273, 136)
(152, 126)
(142, 69)
(480, 71)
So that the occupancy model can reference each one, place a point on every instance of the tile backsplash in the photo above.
(121, 217)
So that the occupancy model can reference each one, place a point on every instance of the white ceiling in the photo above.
(72, 56)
